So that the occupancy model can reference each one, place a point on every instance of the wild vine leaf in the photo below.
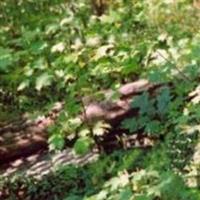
(157, 76)
(131, 124)
(163, 100)
(143, 121)
(153, 127)
(144, 104)
(144, 98)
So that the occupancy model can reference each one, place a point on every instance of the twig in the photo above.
(179, 71)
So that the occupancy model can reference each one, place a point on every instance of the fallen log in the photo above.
(23, 147)
(112, 112)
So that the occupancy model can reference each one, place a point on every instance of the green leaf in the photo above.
(140, 99)
(131, 124)
(56, 141)
(82, 145)
(143, 197)
(130, 66)
(5, 59)
(39, 64)
(38, 47)
(163, 100)
(43, 80)
(126, 193)
(72, 197)
(143, 121)
(144, 104)
(153, 127)
(157, 76)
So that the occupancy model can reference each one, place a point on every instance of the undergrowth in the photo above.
(62, 51)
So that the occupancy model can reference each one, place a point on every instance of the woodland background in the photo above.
(114, 78)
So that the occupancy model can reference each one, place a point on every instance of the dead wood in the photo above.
(22, 147)
(34, 136)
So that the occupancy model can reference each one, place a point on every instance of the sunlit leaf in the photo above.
(56, 141)
(103, 51)
(43, 80)
(59, 47)
(23, 85)
(100, 128)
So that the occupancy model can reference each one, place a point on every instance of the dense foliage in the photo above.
(66, 50)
